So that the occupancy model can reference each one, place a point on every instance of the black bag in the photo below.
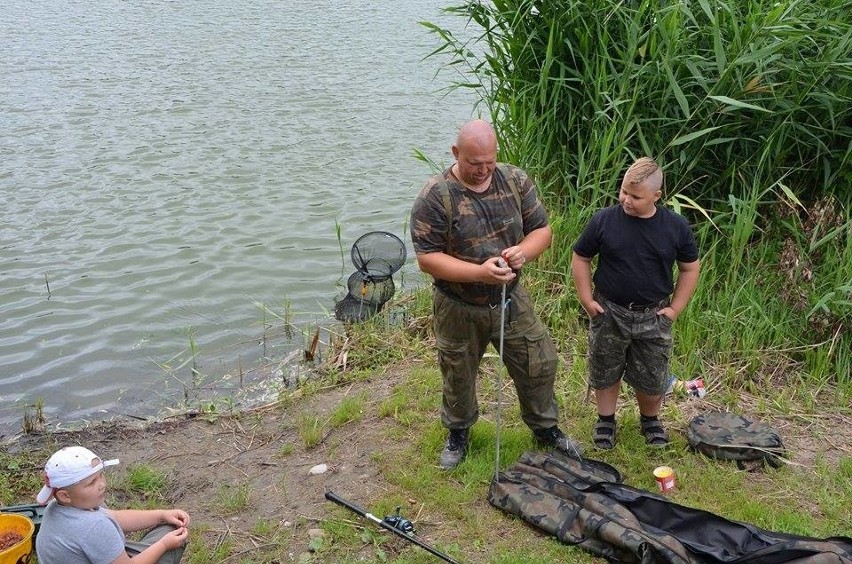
(729, 436)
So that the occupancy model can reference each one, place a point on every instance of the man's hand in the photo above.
(515, 257)
(497, 271)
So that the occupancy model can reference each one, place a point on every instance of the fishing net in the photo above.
(366, 289)
(376, 256)
(353, 310)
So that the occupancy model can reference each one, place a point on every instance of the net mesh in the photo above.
(353, 310)
(376, 256)
(369, 290)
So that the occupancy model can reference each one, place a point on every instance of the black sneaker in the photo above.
(556, 439)
(455, 450)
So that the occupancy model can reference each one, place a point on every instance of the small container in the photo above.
(673, 384)
(23, 528)
(665, 477)
(692, 388)
(695, 388)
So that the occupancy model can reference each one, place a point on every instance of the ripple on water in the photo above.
(167, 165)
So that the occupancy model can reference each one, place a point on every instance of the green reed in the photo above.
(719, 91)
(747, 105)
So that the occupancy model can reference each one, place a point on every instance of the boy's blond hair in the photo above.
(641, 169)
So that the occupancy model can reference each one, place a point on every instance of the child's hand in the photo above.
(176, 538)
(176, 517)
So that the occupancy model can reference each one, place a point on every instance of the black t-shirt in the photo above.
(636, 255)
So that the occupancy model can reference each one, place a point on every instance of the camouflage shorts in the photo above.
(632, 345)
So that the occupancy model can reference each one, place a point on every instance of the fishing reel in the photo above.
(399, 522)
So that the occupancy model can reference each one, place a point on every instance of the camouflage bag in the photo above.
(566, 498)
(729, 436)
(584, 504)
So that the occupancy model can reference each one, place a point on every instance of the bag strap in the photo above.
(444, 190)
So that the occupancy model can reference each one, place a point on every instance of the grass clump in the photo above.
(20, 474)
(145, 480)
(217, 549)
(233, 498)
(349, 410)
(285, 450)
(310, 430)
(143, 486)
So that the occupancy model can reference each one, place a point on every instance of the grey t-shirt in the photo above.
(69, 535)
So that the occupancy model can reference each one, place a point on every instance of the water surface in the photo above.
(167, 166)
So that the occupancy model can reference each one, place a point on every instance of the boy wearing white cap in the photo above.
(77, 528)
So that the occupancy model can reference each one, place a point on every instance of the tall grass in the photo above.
(747, 105)
(722, 92)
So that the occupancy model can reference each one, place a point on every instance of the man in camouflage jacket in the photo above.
(474, 226)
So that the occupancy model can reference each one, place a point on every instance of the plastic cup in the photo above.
(665, 477)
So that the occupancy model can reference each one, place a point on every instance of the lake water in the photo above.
(167, 167)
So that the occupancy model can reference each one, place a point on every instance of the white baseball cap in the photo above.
(68, 466)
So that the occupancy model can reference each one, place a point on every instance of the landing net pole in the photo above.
(500, 382)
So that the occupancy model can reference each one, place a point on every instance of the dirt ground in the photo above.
(201, 457)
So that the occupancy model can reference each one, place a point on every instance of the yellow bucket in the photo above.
(21, 526)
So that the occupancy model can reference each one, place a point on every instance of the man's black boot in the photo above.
(556, 439)
(455, 450)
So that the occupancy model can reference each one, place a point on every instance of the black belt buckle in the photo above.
(643, 308)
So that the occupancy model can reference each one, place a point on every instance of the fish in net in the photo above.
(376, 256)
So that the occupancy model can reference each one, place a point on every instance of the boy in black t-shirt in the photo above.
(630, 332)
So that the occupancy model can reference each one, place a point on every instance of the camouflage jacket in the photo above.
(583, 503)
(478, 226)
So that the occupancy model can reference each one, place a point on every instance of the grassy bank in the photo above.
(768, 328)
(389, 396)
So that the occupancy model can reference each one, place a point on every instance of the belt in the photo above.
(645, 308)
(449, 294)
(636, 306)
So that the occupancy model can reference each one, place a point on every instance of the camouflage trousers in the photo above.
(634, 345)
(463, 332)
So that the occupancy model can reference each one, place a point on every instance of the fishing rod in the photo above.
(396, 524)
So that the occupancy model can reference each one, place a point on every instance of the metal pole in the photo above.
(502, 263)
(500, 383)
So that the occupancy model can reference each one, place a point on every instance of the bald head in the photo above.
(475, 151)
(476, 132)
